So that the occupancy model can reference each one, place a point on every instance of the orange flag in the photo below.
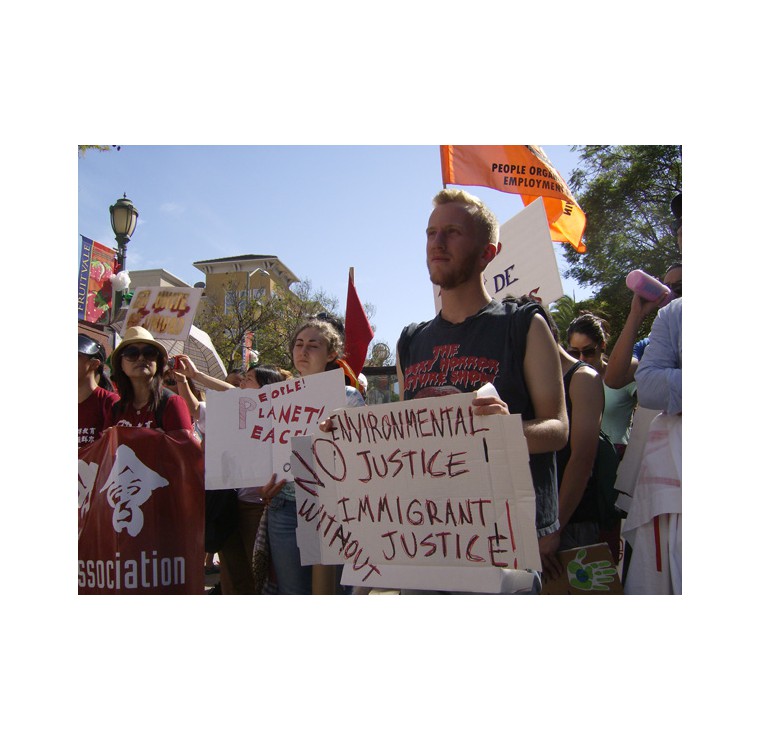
(524, 170)
(358, 330)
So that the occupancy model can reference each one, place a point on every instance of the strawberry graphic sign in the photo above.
(97, 263)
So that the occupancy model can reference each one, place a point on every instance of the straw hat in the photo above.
(137, 335)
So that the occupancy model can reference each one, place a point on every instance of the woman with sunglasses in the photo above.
(317, 346)
(138, 364)
(587, 340)
(584, 399)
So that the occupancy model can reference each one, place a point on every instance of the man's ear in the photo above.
(490, 251)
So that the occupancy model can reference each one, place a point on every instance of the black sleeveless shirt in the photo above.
(438, 357)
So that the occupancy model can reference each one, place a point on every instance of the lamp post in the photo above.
(123, 222)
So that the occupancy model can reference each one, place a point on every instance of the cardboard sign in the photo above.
(526, 263)
(585, 570)
(248, 432)
(141, 513)
(167, 313)
(413, 486)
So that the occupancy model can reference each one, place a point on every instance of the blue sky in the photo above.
(320, 209)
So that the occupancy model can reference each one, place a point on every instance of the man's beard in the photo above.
(460, 275)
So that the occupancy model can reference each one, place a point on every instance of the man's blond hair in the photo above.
(485, 221)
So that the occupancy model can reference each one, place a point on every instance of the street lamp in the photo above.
(123, 222)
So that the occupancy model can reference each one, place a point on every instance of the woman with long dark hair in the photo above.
(138, 365)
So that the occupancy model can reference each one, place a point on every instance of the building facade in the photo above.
(246, 277)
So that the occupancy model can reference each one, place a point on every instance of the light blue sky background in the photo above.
(320, 209)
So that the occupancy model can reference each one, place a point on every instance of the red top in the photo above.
(94, 412)
(176, 416)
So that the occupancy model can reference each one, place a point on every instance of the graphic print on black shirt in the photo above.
(448, 371)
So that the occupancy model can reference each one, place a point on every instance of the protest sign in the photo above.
(96, 265)
(415, 486)
(141, 513)
(248, 431)
(167, 313)
(585, 570)
(525, 264)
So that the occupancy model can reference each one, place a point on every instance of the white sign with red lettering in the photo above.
(395, 490)
(248, 431)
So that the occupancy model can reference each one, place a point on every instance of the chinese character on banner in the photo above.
(141, 513)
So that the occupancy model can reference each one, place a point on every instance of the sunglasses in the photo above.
(675, 287)
(132, 352)
(585, 352)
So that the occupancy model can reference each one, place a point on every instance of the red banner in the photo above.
(141, 513)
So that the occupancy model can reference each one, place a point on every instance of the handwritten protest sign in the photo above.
(416, 485)
(526, 263)
(248, 432)
(167, 313)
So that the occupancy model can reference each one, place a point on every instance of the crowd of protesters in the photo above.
(570, 394)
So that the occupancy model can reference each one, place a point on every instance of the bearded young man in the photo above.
(475, 339)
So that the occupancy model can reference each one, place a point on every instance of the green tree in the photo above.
(625, 192)
(273, 321)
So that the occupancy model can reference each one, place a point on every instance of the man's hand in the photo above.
(547, 548)
(486, 405)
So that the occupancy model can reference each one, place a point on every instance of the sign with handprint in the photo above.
(585, 570)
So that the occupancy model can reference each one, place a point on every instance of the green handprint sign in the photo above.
(590, 576)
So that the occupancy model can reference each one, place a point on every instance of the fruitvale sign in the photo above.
(141, 513)
(525, 263)
(417, 494)
(248, 431)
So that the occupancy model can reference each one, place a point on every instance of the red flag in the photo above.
(522, 169)
(358, 330)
